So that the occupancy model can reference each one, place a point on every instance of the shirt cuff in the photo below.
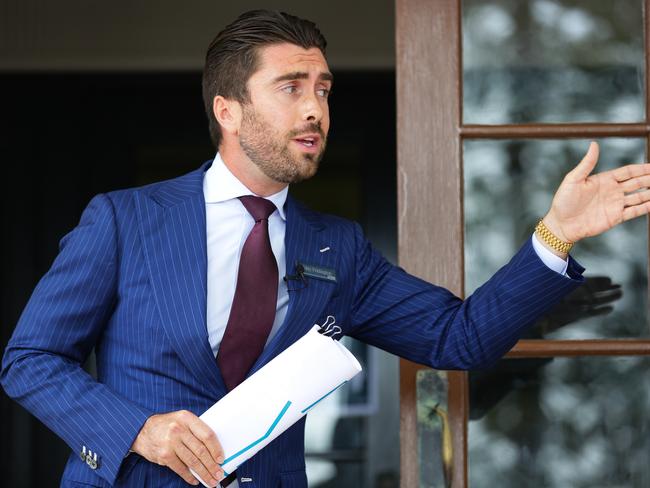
(556, 263)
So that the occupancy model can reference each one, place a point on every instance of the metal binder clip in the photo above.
(328, 328)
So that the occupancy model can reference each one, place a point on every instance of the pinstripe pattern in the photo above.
(131, 281)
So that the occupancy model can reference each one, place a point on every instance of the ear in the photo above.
(228, 114)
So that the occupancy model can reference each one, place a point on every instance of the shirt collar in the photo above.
(221, 185)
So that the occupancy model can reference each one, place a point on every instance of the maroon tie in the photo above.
(256, 295)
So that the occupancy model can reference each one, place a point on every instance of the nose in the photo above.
(312, 109)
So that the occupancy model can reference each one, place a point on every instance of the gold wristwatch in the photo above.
(551, 239)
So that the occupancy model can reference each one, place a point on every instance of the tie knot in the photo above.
(260, 208)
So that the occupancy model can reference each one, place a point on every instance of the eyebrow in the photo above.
(301, 75)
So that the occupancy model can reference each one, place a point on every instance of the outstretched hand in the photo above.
(588, 204)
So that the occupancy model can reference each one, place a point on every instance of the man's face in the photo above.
(284, 127)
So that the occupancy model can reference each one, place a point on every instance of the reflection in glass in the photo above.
(578, 422)
(552, 61)
(435, 456)
(335, 434)
(352, 436)
(509, 186)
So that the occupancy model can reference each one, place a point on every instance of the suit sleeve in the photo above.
(61, 323)
(427, 324)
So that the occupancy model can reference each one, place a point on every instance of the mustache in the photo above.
(308, 129)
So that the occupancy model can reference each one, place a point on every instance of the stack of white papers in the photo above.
(279, 394)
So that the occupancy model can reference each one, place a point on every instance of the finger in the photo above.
(635, 183)
(594, 283)
(636, 198)
(206, 435)
(190, 460)
(600, 311)
(624, 173)
(586, 166)
(203, 454)
(181, 469)
(597, 283)
(636, 211)
(604, 297)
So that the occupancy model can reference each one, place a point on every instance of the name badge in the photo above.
(318, 272)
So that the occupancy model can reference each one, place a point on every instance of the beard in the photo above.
(270, 151)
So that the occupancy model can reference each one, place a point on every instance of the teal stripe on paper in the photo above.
(324, 396)
(268, 433)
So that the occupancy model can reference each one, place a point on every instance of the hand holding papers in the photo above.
(278, 395)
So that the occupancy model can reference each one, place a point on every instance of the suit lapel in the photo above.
(305, 237)
(172, 224)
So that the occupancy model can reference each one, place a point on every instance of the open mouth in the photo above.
(307, 141)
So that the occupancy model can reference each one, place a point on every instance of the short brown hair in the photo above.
(232, 56)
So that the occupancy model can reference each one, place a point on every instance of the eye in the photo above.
(289, 89)
(323, 92)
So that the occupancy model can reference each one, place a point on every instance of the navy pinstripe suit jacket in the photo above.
(130, 280)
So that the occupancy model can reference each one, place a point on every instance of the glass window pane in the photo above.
(555, 423)
(509, 186)
(553, 61)
(435, 458)
(352, 436)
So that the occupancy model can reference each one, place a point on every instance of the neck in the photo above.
(249, 174)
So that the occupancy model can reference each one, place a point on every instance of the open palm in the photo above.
(586, 205)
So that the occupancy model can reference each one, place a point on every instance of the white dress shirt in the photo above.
(228, 224)
(556, 263)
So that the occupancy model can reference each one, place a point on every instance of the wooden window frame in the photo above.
(430, 135)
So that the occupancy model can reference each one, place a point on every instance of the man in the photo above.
(187, 286)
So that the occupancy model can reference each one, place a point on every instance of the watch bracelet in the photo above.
(551, 239)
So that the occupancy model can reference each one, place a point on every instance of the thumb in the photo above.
(586, 166)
